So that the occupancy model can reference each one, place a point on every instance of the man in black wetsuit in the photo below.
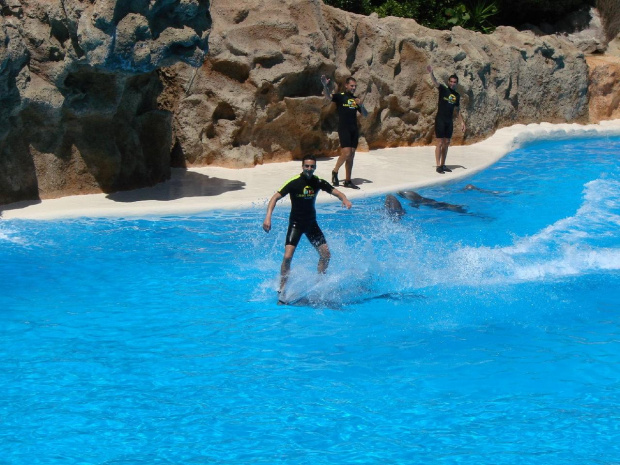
(348, 106)
(449, 100)
(303, 190)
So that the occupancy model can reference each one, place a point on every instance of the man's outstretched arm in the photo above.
(327, 87)
(429, 68)
(272, 204)
(343, 198)
(363, 110)
(360, 105)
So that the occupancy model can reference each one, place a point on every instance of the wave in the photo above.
(382, 258)
(12, 236)
(581, 244)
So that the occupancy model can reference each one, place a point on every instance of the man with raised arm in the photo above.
(348, 106)
(449, 100)
(303, 190)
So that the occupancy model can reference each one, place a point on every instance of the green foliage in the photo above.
(354, 6)
(458, 16)
(475, 16)
(407, 9)
(478, 15)
(429, 13)
(481, 14)
(436, 14)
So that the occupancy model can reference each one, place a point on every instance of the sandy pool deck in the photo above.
(198, 190)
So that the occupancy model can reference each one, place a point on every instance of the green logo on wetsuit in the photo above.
(350, 103)
(451, 99)
(307, 193)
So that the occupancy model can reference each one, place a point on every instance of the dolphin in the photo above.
(393, 208)
(417, 200)
(471, 187)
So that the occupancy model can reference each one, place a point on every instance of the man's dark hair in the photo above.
(454, 76)
(349, 79)
(309, 157)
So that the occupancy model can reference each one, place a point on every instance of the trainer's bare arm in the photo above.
(327, 87)
(360, 104)
(272, 204)
(429, 68)
(343, 198)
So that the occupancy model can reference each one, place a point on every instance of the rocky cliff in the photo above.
(105, 95)
(604, 75)
(257, 98)
(79, 85)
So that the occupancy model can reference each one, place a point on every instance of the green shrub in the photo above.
(481, 15)
(429, 13)
(354, 6)
(478, 15)
(475, 16)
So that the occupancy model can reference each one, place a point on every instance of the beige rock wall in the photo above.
(257, 98)
(79, 89)
(104, 95)
(604, 72)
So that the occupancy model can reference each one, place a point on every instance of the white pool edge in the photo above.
(377, 172)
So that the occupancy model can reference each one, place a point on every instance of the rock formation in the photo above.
(105, 95)
(583, 28)
(257, 98)
(79, 87)
(604, 75)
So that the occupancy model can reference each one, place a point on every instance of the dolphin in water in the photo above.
(417, 200)
(393, 208)
(471, 187)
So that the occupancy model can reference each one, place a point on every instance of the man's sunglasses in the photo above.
(309, 166)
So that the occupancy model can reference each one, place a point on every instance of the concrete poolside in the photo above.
(381, 171)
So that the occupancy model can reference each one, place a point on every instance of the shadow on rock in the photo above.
(18, 205)
(182, 184)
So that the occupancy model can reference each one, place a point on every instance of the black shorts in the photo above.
(443, 128)
(311, 230)
(348, 137)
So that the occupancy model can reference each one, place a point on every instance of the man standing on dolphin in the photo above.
(303, 189)
(449, 100)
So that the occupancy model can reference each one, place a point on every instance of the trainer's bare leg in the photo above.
(441, 151)
(348, 166)
(324, 257)
(285, 268)
(345, 155)
(444, 153)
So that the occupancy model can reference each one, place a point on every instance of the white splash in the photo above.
(571, 246)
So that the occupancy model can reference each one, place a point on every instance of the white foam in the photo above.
(564, 248)
(390, 257)
(571, 262)
(11, 236)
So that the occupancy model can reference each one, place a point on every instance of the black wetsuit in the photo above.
(347, 119)
(302, 219)
(448, 100)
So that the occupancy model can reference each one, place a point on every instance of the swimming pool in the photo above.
(486, 337)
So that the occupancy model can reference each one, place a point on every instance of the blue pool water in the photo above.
(491, 337)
